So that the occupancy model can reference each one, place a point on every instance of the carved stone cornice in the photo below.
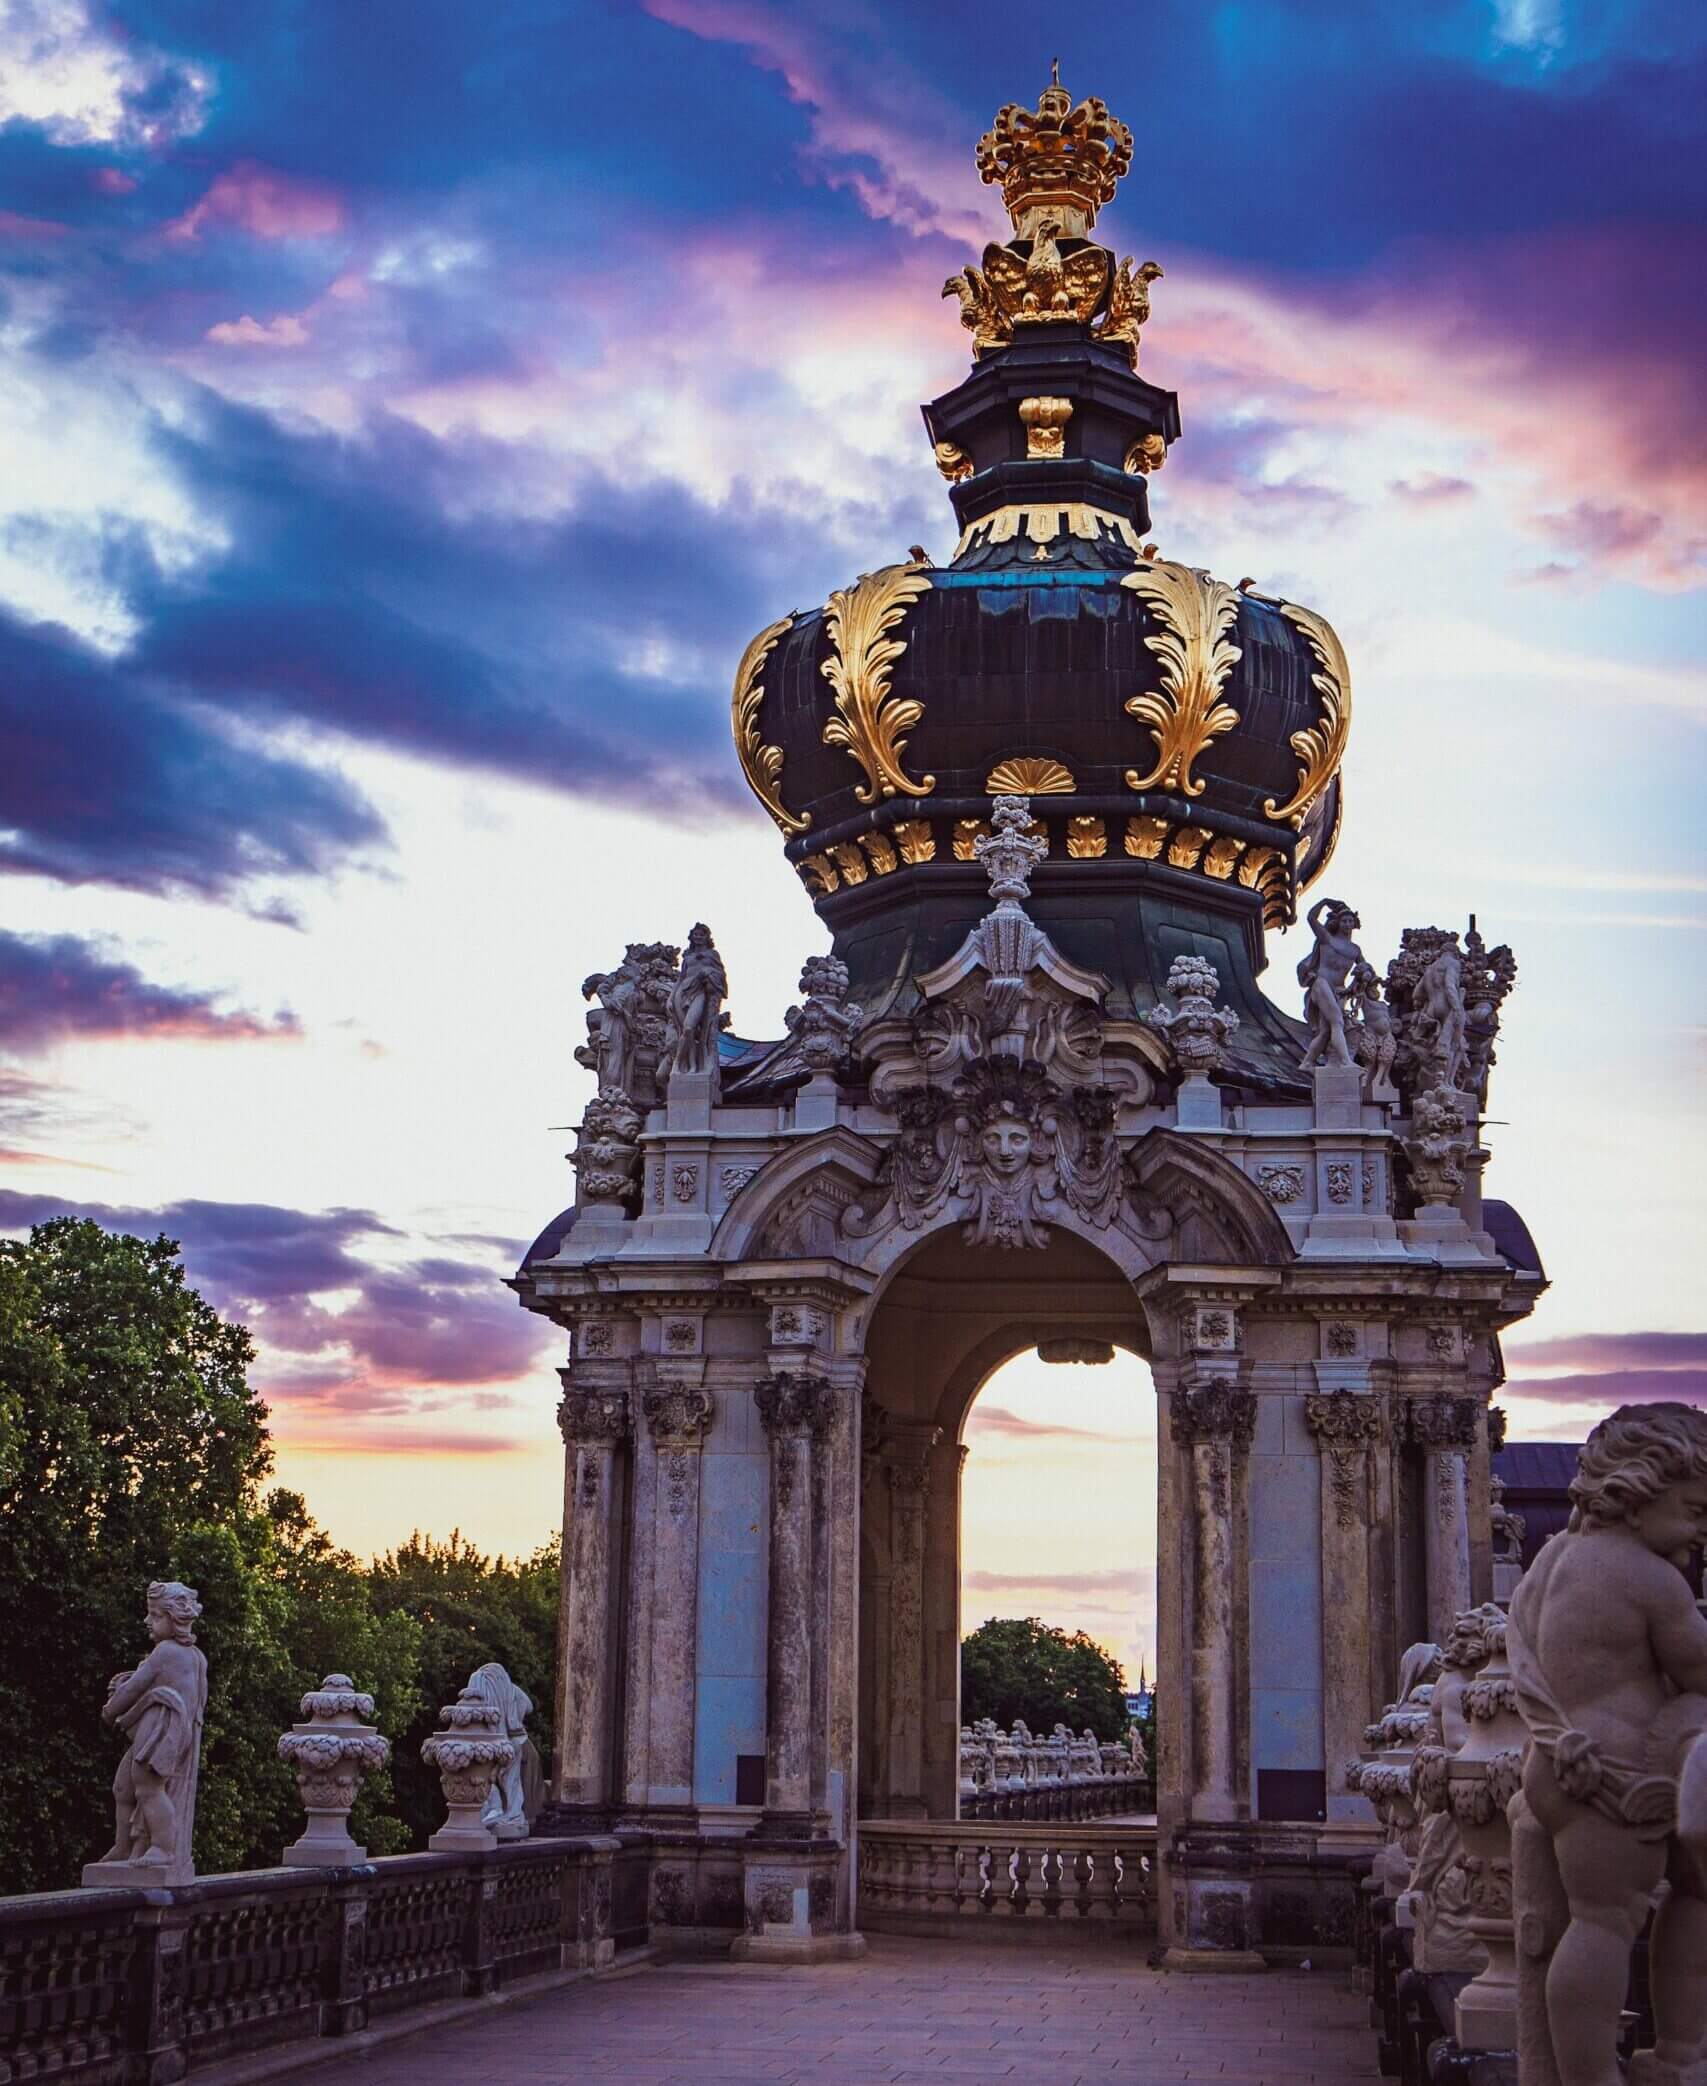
(600, 1416)
(795, 1404)
(1214, 1412)
(1443, 1422)
(679, 1415)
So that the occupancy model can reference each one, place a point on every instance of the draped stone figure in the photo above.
(1608, 1656)
(505, 1809)
(159, 1705)
(696, 1005)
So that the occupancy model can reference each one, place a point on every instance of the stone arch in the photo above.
(1221, 1216)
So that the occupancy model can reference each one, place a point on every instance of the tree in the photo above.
(468, 1609)
(1025, 1669)
(126, 1423)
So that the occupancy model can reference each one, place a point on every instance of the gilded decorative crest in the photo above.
(1030, 778)
(762, 765)
(870, 723)
(1058, 156)
(1320, 747)
(1187, 714)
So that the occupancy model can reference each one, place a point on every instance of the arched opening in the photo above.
(1058, 1520)
(947, 1321)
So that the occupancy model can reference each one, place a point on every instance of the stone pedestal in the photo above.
(1338, 1092)
(1198, 1105)
(1483, 1778)
(788, 1906)
(136, 1875)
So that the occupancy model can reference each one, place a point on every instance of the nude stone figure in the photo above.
(159, 1706)
(696, 1005)
(1325, 974)
(1608, 1655)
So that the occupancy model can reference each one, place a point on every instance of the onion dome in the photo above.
(1180, 738)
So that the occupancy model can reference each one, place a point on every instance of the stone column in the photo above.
(1347, 1423)
(1444, 1428)
(908, 1469)
(795, 1411)
(678, 1418)
(1213, 1421)
(595, 1425)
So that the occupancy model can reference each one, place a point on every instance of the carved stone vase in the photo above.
(469, 1754)
(1482, 1779)
(329, 1753)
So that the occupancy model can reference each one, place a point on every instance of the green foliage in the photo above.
(466, 1609)
(1025, 1669)
(131, 1449)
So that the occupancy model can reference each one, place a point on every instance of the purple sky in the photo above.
(408, 413)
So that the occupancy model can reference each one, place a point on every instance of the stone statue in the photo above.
(1439, 1002)
(825, 1026)
(627, 1030)
(1489, 974)
(505, 1810)
(1608, 1656)
(1438, 1145)
(1446, 1001)
(1140, 1759)
(1374, 1040)
(159, 1705)
(1325, 975)
(696, 1005)
(1439, 1882)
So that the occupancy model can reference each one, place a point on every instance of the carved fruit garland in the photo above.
(1320, 747)
(871, 723)
(1187, 713)
(762, 765)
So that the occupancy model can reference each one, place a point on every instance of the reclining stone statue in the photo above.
(1608, 1656)
(159, 1706)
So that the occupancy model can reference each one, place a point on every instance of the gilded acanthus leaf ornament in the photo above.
(761, 764)
(1187, 713)
(870, 722)
(1320, 747)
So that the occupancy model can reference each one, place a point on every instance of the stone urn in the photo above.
(1482, 1778)
(469, 1753)
(329, 1753)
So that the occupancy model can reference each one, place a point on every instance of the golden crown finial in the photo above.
(1056, 160)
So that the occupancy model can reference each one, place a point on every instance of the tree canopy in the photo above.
(133, 1449)
(1024, 1668)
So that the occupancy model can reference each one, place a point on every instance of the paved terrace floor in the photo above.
(911, 2012)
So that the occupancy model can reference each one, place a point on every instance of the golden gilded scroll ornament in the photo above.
(1320, 747)
(952, 461)
(870, 723)
(1045, 423)
(1147, 454)
(1087, 839)
(1030, 778)
(761, 764)
(1187, 714)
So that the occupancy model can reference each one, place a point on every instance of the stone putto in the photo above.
(159, 1706)
(505, 1809)
(1608, 1656)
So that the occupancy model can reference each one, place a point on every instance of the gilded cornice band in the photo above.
(1044, 524)
(870, 723)
(762, 765)
(1187, 713)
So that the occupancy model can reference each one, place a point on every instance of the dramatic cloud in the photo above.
(56, 986)
(354, 1336)
(1615, 1387)
(1141, 1579)
(1609, 1351)
(1609, 1369)
(998, 1420)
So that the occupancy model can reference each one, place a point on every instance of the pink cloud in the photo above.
(1432, 489)
(113, 181)
(265, 204)
(12, 226)
(286, 331)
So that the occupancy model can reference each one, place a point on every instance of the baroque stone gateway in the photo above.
(1048, 799)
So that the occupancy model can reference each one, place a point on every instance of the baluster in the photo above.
(1082, 1868)
(1050, 1865)
(1019, 1867)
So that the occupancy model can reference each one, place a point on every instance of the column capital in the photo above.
(593, 1416)
(1443, 1421)
(679, 1415)
(1214, 1412)
(795, 1404)
(1344, 1419)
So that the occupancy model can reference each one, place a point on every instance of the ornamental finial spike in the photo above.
(1056, 161)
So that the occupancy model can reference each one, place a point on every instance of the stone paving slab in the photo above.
(911, 2013)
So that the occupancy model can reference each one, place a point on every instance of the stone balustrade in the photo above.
(1011, 1774)
(104, 1986)
(946, 1878)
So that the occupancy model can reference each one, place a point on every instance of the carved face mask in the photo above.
(1006, 1145)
